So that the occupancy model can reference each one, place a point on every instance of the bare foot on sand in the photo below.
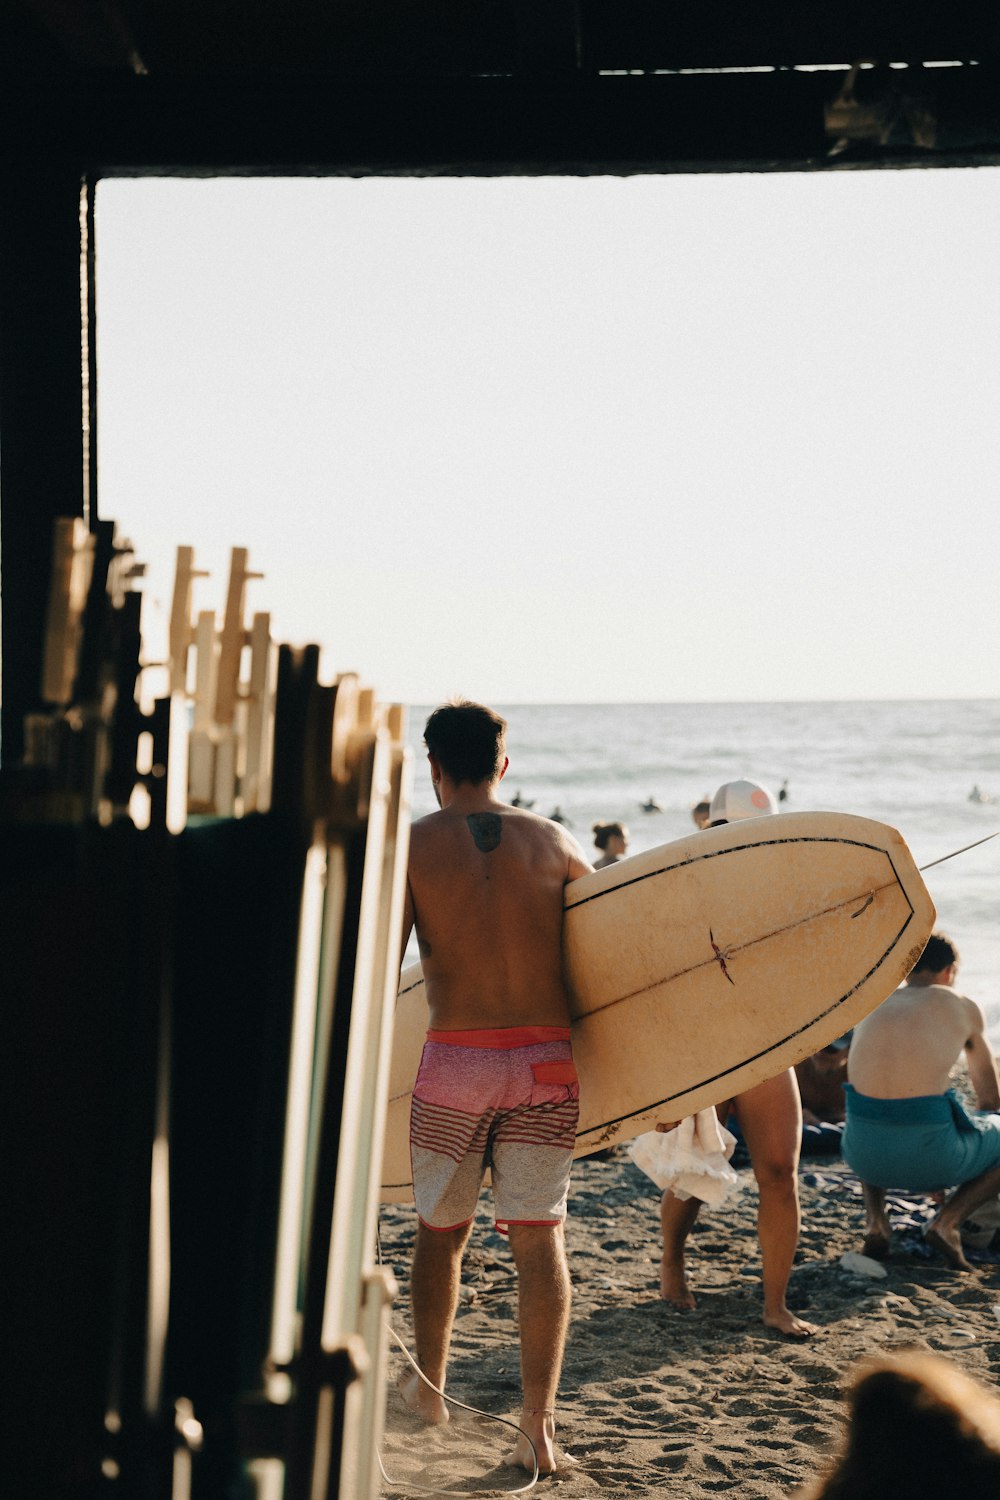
(540, 1427)
(876, 1244)
(422, 1399)
(674, 1287)
(948, 1244)
(784, 1321)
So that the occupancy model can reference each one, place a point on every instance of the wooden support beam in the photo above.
(43, 458)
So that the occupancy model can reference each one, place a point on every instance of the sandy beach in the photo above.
(658, 1402)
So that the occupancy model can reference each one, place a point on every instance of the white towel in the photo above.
(692, 1160)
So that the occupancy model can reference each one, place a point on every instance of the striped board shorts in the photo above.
(507, 1100)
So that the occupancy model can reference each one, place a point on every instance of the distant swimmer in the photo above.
(783, 791)
(558, 816)
(700, 811)
(612, 840)
(651, 805)
(977, 796)
(518, 801)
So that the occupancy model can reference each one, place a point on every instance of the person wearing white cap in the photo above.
(770, 1118)
(736, 800)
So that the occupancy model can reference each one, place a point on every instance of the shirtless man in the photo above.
(905, 1128)
(496, 1085)
(770, 1118)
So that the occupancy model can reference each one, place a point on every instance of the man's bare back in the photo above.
(907, 1048)
(486, 885)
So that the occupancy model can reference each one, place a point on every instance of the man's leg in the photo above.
(543, 1294)
(677, 1217)
(434, 1285)
(770, 1117)
(878, 1230)
(943, 1234)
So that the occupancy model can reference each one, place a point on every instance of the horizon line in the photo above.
(703, 702)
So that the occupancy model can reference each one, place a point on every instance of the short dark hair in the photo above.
(918, 1425)
(939, 954)
(603, 832)
(468, 740)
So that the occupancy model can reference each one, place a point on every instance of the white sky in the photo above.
(678, 438)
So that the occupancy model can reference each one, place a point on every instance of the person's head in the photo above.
(700, 812)
(467, 741)
(736, 800)
(611, 838)
(939, 955)
(918, 1425)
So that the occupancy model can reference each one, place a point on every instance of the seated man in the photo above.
(905, 1127)
(821, 1080)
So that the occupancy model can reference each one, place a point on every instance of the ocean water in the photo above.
(910, 764)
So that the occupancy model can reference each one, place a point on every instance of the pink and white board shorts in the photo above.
(508, 1100)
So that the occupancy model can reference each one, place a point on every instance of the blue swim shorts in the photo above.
(921, 1144)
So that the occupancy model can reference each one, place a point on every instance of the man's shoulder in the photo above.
(528, 819)
(944, 995)
(428, 830)
(542, 830)
(941, 1005)
(426, 824)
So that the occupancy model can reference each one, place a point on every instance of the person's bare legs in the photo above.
(878, 1230)
(543, 1301)
(943, 1233)
(677, 1219)
(434, 1284)
(770, 1117)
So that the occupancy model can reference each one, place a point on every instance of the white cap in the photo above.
(741, 799)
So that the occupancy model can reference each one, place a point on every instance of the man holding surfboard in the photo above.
(496, 1087)
(770, 1117)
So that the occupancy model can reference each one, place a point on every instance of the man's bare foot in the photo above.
(422, 1399)
(540, 1426)
(948, 1244)
(674, 1287)
(784, 1321)
(876, 1244)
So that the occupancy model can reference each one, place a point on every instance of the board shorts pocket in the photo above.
(554, 1081)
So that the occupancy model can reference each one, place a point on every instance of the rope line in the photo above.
(424, 1489)
(959, 851)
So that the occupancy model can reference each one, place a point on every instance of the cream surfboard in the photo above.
(707, 965)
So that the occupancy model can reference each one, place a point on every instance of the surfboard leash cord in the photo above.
(460, 1405)
(955, 852)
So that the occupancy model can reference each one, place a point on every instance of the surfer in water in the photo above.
(770, 1119)
(496, 1087)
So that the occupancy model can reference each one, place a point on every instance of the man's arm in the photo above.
(982, 1066)
(576, 864)
(407, 923)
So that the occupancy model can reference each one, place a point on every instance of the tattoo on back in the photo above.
(485, 830)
